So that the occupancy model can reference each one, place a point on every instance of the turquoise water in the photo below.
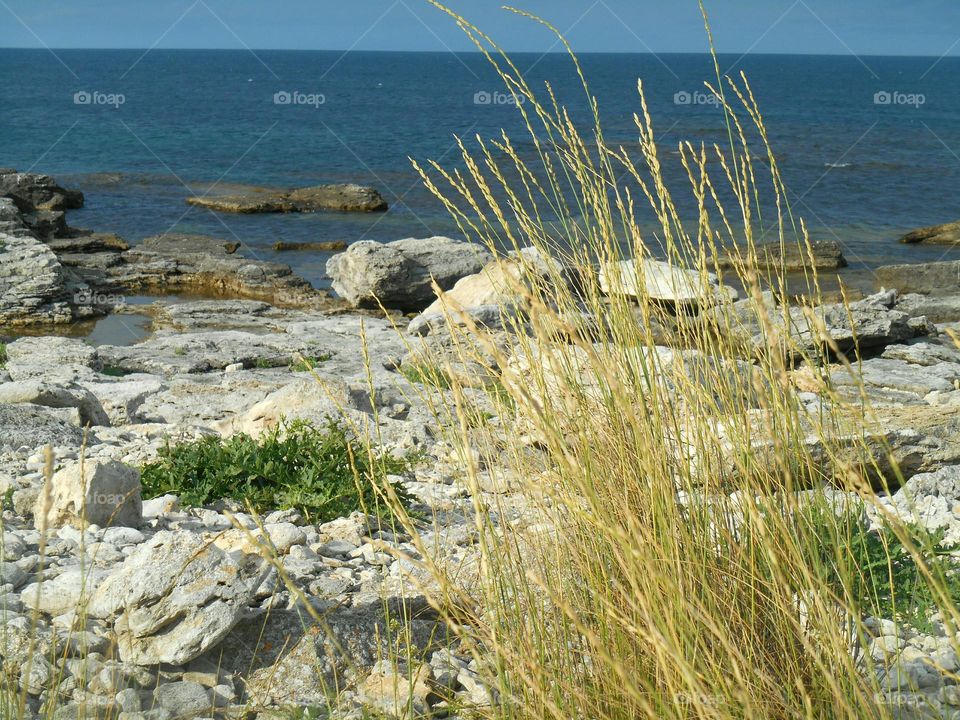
(859, 169)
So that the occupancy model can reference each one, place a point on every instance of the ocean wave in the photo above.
(837, 165)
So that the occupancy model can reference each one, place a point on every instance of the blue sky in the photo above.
(867, 27)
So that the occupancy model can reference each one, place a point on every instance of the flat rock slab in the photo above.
(937, 278)
(346, 197)
(31, 426)
(945, 234)
(662, 282)
(792, 257)
(180, 244)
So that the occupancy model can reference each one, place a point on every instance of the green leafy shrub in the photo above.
(3, 354)
(322, 472)
(879, 572)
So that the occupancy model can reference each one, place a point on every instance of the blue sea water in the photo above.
(869, 147)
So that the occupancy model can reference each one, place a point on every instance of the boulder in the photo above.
(68, 591)
(936, 308)
(90, 492)
(936, 278)
(344, 197)
(31, 426)
(663, 282)
(36, 392)
(31, 192)
(176, 596)
(792, 257)
(871, 323)
(33, 284)
(184, 699)
(400, 274)
(495, 295)
(945, 234)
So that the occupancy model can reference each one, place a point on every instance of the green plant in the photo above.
(180, 351)
(3, 354)
(878, 569)
(323, 472)
(424, 374)
(307, 364)
(672, 570)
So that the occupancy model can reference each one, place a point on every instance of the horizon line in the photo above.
(477, 52)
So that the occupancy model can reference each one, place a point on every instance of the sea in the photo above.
(868, 147)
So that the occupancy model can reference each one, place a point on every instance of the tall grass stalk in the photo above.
(673, 564)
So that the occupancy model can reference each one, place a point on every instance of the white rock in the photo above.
(661, 280)
(91, 491)
(176, 596)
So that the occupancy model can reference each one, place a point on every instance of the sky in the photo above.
(862, 27)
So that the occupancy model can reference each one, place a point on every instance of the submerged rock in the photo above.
(945, 234)
(792, 257)
(400, 274)
(346, 197)
(181, 243)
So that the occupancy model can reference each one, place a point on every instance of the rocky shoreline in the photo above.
(161, 611)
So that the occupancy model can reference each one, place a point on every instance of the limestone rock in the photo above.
(399, 274)
(935, 278)
(32, 191)
(33, 287)
(184, 244)
(36, 392)
(945, 234)
(183, 699)
(32, 426)
(294, 658)
(792, 257)
(176, 596)
(663, 282)
(495, 296)
(346, 197)
(91, 491)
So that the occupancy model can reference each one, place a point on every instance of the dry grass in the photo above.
(673, 568)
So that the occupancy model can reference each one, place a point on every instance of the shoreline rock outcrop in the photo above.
(944, 234)
(342, 197)
(400, 274)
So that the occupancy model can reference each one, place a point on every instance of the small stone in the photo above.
(128, 700)
(183, 699)
(35, 675)
(122, 536)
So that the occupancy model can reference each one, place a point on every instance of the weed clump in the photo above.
(324, 473)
